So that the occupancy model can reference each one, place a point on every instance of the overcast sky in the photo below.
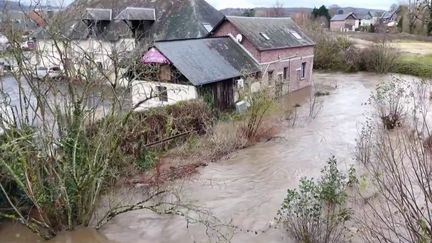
(373, 4)
(219, 4)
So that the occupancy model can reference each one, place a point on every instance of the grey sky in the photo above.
(219, 4)
(378, 4)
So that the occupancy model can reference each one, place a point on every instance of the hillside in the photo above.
(290, 11)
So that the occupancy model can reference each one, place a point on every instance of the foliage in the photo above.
(390, 100)
(415, 65)
(317, 211)
(158, 124)
(249, 13)
(398, 163)
(380, 58)
(260, 103)
(321, 12)
(330, 52)
(340, 54)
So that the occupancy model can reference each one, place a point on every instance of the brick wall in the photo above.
(337, 25)
(292, 59)
(277, 61)
(227, 28)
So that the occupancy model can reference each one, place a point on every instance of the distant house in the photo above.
(390, 18)
(371, 18)
(208, 68)
(284, 52)
(344, 22)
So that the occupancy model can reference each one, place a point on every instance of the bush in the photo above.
(340, 54)
(419, 66)
(330, 52)
(163, 128)
(380, 58)
(390, 99)
(260, 104)
(317, 211)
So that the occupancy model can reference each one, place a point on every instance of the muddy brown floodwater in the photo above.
(249, 187)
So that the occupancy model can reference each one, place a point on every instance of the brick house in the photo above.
(344, 22)
(285, 53)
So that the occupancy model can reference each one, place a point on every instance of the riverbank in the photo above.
(221, 142)
(246, 188)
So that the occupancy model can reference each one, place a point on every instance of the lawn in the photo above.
(417, 65)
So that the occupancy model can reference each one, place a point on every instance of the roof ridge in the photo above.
(244, 17)
(187, 39)
(139, 8)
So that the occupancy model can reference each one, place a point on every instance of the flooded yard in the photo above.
(248, 188)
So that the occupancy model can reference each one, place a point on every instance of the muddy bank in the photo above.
(249, 186)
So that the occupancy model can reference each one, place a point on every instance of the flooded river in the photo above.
(249, 187)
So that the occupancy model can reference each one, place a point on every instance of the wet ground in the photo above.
(247, 189)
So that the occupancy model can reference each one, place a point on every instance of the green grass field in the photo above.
(417, 65)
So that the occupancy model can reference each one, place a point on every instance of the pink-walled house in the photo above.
(284, 52)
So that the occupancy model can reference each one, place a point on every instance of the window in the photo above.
(162, 93)
(303, 70)
(99, 65)
(258, 75)
(286, 73)
(270, 75)
(208, 27)
(265, 36)
(296, 35)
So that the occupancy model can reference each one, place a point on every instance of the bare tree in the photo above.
(277, 10)
(399, 170)
(61, 133)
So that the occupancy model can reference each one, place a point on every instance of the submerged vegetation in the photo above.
(318, 210)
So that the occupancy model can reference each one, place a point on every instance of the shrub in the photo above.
(380, 58)
(317, 211)
(260, 104)
(390, 100)
(398, 165)
(419, 66)
(163, 127)
(330, 52)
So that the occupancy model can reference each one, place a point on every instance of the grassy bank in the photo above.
(416, 65)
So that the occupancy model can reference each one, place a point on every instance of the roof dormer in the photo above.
(97, 19)
(139, 20)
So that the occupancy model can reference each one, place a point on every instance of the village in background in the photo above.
(173, 121)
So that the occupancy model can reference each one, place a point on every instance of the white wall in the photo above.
(48, 55)
(143, 90)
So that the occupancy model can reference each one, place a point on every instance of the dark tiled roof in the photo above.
(175, 19)
(209, 60)
(131, 13)
(98, 14)
(271, 33)
(389, 14)
(342, 17)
